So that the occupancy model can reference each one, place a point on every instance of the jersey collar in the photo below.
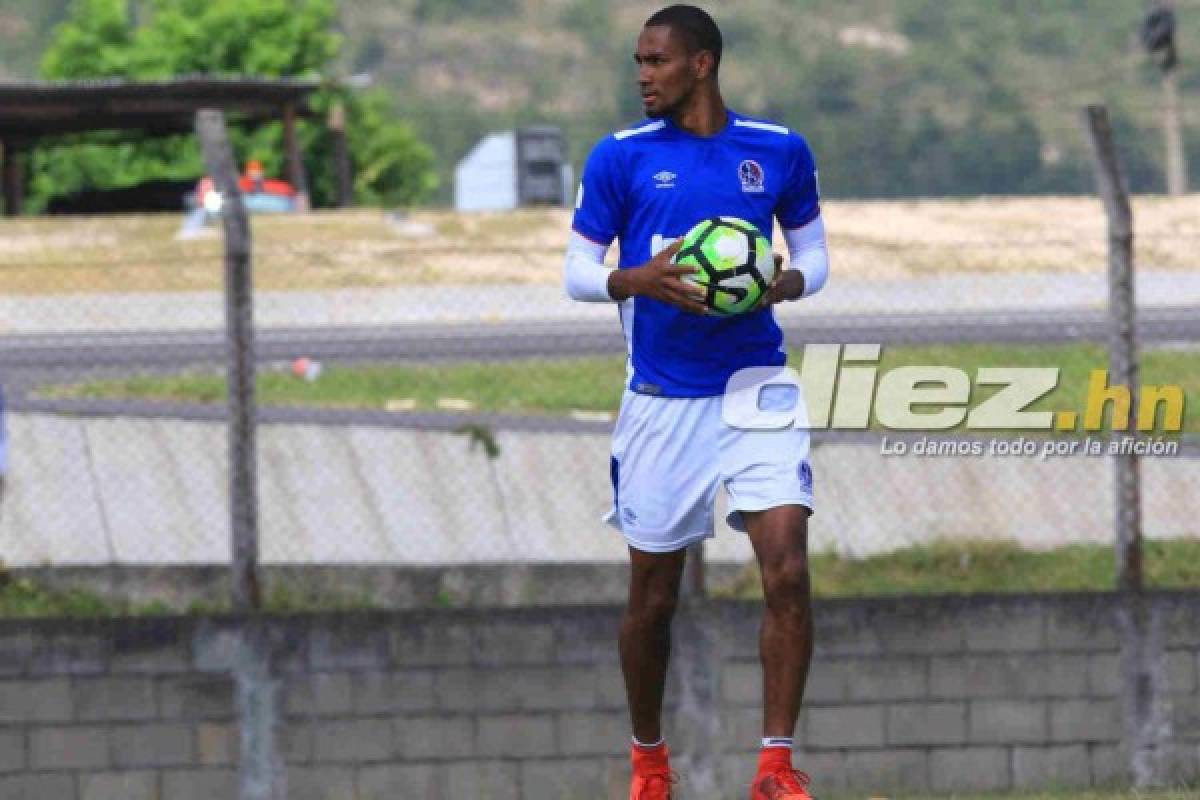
(730, 116)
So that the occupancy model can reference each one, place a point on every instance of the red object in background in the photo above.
(248, 186)
(261, 194)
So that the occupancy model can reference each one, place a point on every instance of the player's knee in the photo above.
(656, 607)
(786, 580)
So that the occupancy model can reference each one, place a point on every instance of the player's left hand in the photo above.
(787, 285)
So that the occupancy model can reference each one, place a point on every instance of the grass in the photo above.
(554, 387)
(976, 566)
(594, 384)
(25, 598)
(948, 567)
(342, 249)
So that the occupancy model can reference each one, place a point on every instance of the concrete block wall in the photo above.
(913, 694)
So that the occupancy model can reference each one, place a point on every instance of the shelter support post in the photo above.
(295, 164)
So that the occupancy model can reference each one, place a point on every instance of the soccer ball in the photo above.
(733, 260)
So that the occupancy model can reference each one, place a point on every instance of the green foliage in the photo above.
(109, 160)
(94, 41)
(180, 37)
(22, 597)
(273, 38)
(481, 436)
(970, 98)
(392, 165)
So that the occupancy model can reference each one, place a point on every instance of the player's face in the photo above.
(666, 73)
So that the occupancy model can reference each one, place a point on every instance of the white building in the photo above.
(513, 169)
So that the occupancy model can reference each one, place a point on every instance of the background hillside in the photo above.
(898, 97)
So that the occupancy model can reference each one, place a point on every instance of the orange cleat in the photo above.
(653, 786)
(780, 782)
(652, 776)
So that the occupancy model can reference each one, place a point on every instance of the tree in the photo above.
(158, 39)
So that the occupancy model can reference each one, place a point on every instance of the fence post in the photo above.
(13, 177)
(239, 327)
(1147, 727)
(295, 163)
(261, 771)
(694, 578)
(696, 664)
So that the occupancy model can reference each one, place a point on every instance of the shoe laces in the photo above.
(792, 780)
(659, 781)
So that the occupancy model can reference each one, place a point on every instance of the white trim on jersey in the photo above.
(647, 128)
(760, 126)
(584, 273)
(625, 314)
(809, 254)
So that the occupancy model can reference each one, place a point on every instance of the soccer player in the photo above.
(646, 186)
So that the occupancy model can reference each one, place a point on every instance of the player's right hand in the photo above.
(662, 280)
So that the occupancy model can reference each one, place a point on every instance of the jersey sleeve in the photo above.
(800, 202)
(599, 205)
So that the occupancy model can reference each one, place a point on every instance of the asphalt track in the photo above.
(27, 361)
(82, 353)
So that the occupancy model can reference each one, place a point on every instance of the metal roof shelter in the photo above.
(31, 111)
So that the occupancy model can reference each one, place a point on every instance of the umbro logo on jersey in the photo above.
(664, 180)
(751, 174)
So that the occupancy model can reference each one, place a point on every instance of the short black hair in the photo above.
(694, 25)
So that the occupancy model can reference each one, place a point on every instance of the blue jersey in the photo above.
(647, 186)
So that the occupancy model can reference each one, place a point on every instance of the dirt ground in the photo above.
(138, 253)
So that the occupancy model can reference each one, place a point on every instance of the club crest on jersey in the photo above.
(751, 174)
(664, 179)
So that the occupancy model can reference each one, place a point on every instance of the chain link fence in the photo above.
(430, 398)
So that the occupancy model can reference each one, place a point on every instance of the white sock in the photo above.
(777, 741)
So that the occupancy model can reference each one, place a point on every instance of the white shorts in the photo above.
(669, 454)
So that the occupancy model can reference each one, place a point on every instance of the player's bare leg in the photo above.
(780, 539)
(645, 642)
(645, 646)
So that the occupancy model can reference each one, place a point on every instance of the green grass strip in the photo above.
(959, 567)
(552, 386)
(977, 566)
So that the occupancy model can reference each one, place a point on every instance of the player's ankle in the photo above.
(776, 752)
(653, 746)
(649, 755)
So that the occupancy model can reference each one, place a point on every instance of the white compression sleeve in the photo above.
(584, 273)
(808, 253)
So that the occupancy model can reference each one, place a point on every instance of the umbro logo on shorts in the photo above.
(629, 516)
(664, 179)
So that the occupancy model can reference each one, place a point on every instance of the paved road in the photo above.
(964, 293)
(30, 360)
(555, 339)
